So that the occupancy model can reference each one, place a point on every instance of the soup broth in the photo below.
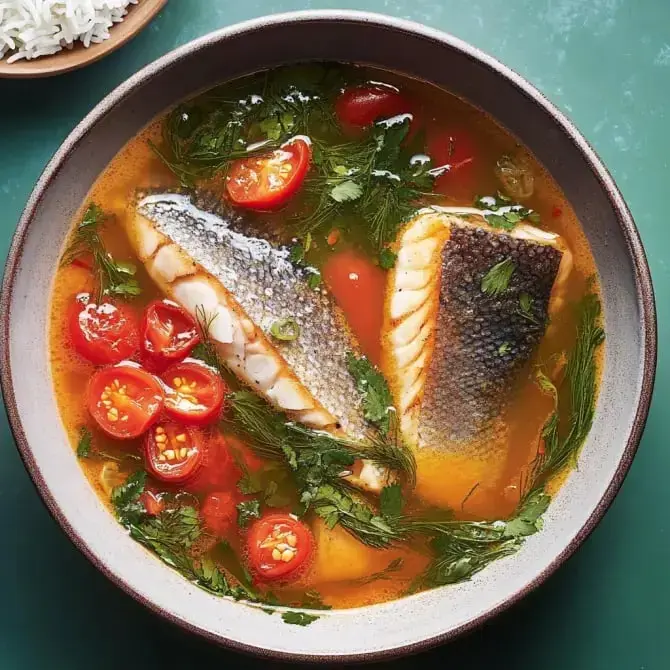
(328, 205)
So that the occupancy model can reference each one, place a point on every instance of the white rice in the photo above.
(33, 28)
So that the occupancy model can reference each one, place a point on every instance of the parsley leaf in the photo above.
(497, 279)
(84, 444)
(377, 400)
(299, 618)
(504, 349)
(528, 517)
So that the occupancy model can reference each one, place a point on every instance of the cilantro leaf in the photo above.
(299, 618)
(528, 518)
(84, 444)
(387, 259)
(497, 279)
(377, 400)
(248, 510)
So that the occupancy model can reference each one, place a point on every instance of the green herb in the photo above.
(387, 259)
(504, 214)
(504, 349)
(376, 178)
(113, 278)
(346, 191)
(497, 279)
(377, 399)
(314, 279)
(84, 444)
(125, 498)
(299, 618)
(528, 517)
(248, 510)
(286, 330)
(391, 501)
(526, 308)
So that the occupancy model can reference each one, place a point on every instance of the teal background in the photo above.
(606, 63)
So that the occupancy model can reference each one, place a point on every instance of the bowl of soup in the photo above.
(320, 313)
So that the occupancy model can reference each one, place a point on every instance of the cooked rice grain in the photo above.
(33, 28)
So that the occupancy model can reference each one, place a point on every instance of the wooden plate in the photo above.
(71, 59)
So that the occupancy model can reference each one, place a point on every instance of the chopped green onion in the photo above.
(286, 330)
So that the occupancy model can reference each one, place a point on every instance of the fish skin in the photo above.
(269, 287)
(451, 352)
(482, 341)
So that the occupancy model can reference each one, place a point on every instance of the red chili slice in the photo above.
(269, 181)
(195, 393)
(169, 333)
(173, 453)
(105, 333)
(279, 547)
(124, 400)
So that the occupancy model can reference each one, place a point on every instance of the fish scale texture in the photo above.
(482, 341)
(269, 287)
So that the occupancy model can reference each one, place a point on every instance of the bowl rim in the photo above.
(643, 283)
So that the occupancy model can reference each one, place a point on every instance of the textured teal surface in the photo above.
(606, 63)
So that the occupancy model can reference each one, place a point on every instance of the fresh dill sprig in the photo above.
(497, 279)
(113, 278)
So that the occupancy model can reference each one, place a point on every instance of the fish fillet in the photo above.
(244, 284)
(451, 351)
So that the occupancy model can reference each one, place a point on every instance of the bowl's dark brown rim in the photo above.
(642, 277)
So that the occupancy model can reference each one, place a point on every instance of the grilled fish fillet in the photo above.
(243, 285)
(450, 350)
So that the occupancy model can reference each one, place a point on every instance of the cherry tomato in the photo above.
(124, 400)
(279, 547)
(267, 182)
(358, 286)
(218, 471)
(105, 333)
(173, 453)
(168, 333)
(153, 505)
(361, 106)
(454, 148)
(219, 512)
(195, 393)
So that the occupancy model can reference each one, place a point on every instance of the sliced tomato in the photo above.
(358, 286)
(218, 471)
(105, 333)
(454, 149)
(219, 512)
(173, 453)
(124, 400)
(269, 181)
(168, 333)
(279, 546)
(153, 505)
(195, 393)
(361, 106)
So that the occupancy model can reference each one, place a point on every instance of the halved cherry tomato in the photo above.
(173, 453)
(195, 393)
(124, 400)
(219, 512)
(454, 148)
(168, 333)
(153, 505)
(358, 286)
(361, 106)
(218, 471)
(105, 333)
(279, 547)
(267, 182)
